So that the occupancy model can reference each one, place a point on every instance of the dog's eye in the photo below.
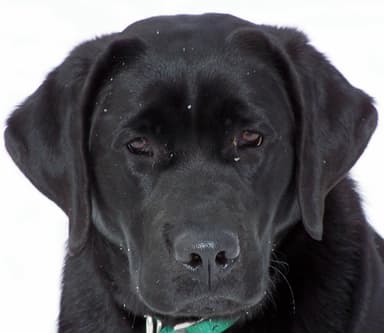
(250, 138)
(140, 146)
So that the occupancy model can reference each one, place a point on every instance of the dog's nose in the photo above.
(210, 252)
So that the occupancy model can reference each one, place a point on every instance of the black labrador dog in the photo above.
(202, 162)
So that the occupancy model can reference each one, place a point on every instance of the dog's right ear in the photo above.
(47, 135)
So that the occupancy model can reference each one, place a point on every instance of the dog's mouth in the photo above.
(200, 310)
(212, 307)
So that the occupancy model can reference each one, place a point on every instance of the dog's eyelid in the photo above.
(140, 145)
(123, 136)
(250, 137)
(261, 126)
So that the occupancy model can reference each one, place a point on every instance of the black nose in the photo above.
(212, 253)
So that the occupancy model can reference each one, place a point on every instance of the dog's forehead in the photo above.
(189, 72)
(208, 29)
(211, 90)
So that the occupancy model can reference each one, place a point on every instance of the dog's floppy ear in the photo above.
(334, 120)
(335, 123)
(47, 135)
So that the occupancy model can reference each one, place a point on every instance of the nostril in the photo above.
(195, 261)
(221, 259)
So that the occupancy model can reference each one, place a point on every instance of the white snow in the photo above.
(37, 35)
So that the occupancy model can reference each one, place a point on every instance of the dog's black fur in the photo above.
(192, 130)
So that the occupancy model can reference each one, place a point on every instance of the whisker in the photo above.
(289, 287)
(280, 262)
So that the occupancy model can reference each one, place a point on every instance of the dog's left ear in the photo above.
(335, 122)
(334, 119)
(47, 135)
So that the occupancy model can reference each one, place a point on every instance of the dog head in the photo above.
(193, 144)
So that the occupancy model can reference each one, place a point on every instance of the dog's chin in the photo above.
(212, 307)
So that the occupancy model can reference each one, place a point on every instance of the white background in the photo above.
(36, 35)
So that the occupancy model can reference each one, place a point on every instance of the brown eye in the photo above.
(250, 138)
(140, 146)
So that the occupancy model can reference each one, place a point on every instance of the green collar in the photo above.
(208, 326)
(202, 326)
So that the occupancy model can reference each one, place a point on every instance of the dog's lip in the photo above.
(212, 306)
(203, 307)
(216, 306)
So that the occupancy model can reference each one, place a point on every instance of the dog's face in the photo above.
(210, 162)
(192, 144)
